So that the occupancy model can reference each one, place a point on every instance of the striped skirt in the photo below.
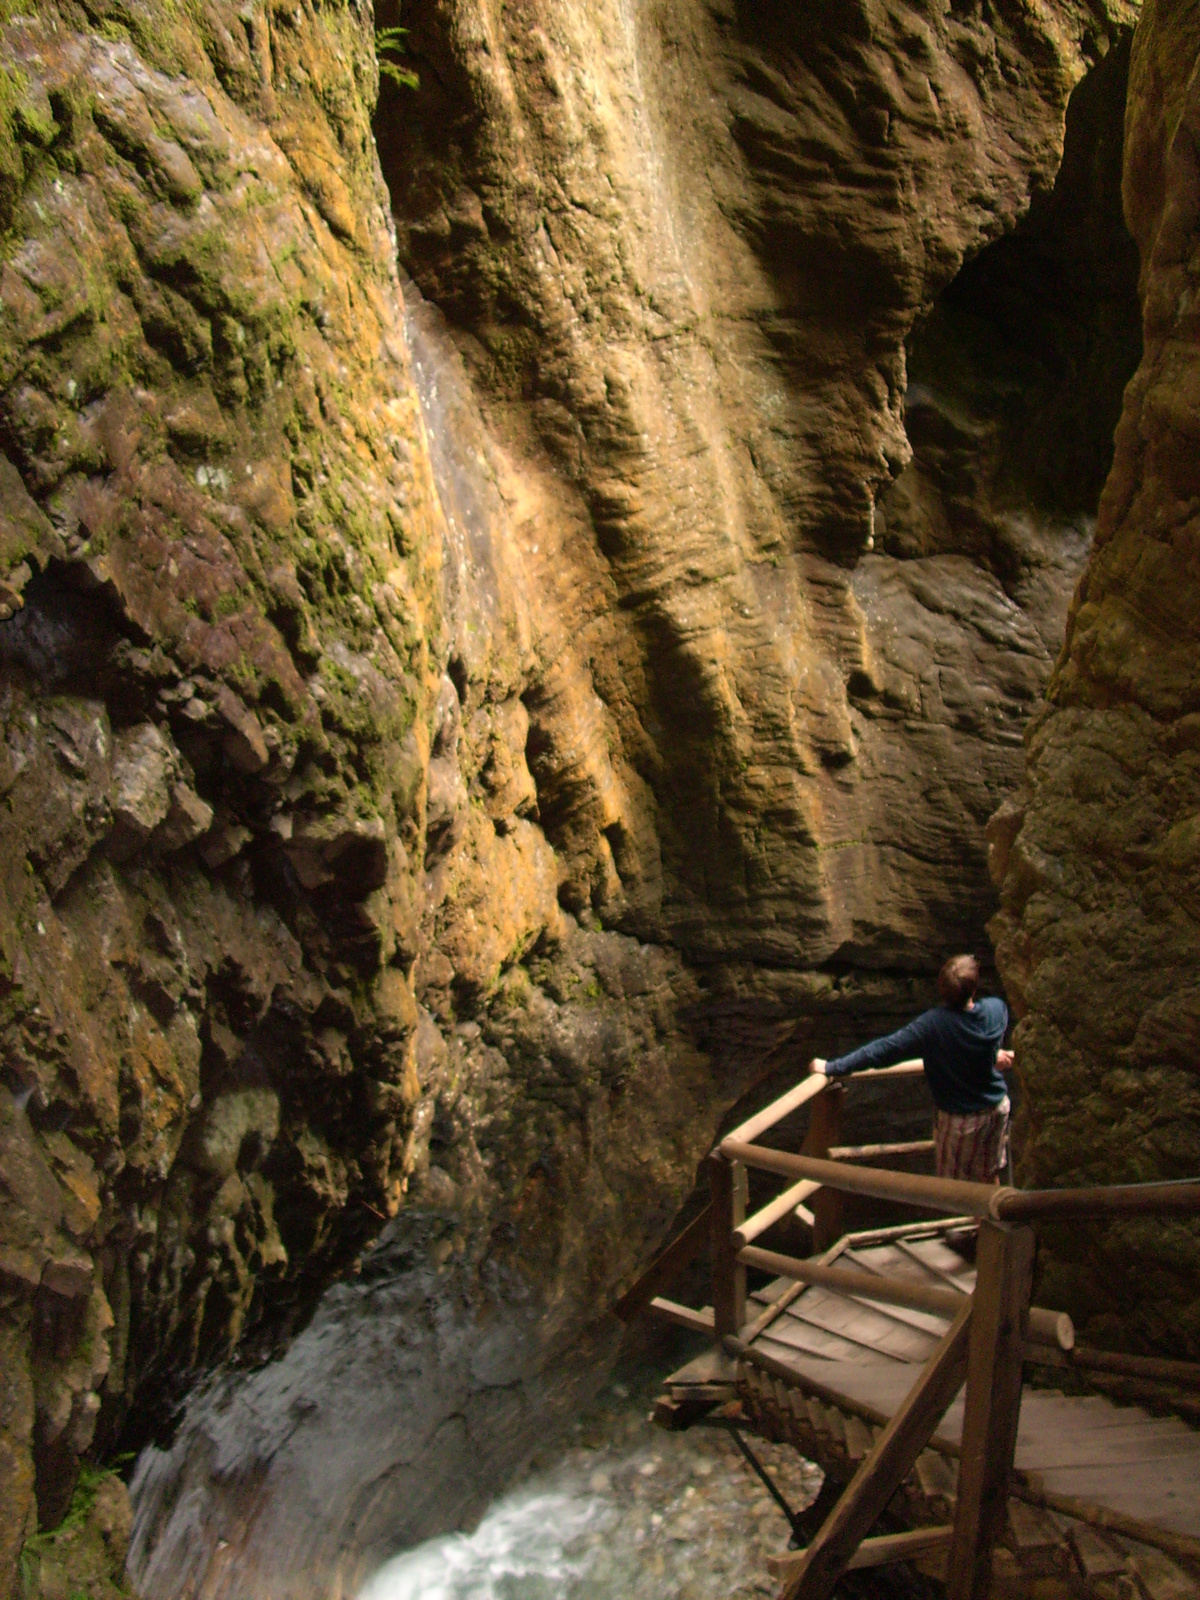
(971, 1145)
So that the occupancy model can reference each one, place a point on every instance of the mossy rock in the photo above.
(84, 1557)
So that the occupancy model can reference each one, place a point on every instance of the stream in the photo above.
(621, 1510)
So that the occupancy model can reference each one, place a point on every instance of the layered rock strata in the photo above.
(1097, 854)
(453, 741)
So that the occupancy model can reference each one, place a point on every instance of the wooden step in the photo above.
(817, 1418)
(1158, 1577)
(836, 1424)
(937, 1478)
(858, 1438)
(1096, 1558)
(1037, 1540)
(683, 1316)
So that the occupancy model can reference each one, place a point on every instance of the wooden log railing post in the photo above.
(729, 1188)
(1004, 1263)
(825, 1131)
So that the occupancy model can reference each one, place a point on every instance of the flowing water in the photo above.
(623, 1511)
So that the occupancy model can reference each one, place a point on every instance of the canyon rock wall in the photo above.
(458, 738)
(1097, 855)
(221, 554)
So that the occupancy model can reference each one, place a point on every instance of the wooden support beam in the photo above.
(727, 1212)
(1053, 1328)
(666, 1266)
(683, 1316)
(885, 1468)
(825, 1129)
(1004, 1279)
(878, 1552)
(1027, 1486)
(774, 1212)
(1156, 1367)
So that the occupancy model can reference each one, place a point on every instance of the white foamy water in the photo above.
(621, 1511)
(529, 1546)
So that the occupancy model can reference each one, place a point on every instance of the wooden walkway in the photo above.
(824, 1370)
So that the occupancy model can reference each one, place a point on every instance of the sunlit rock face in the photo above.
(457, 738)
(681, 249)
(1097, 854)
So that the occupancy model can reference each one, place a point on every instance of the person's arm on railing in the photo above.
(892, 1048)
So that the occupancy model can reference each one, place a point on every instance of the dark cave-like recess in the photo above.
(1015, 378)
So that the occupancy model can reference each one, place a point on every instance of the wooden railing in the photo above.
(986, 1345)
(991, 1334)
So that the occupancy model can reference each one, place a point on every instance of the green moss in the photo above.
(35, 126)
(41, 1545)
(13, 87)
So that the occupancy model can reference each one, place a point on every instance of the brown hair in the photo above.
(958, 981)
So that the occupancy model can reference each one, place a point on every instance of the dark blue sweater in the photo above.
(959, 1051)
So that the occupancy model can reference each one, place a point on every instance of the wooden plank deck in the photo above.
(1117, 1458)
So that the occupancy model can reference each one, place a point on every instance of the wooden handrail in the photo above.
(1182, 1198)
(808, 1089)
(872, 1152)
(910, 1188)
(773, 1211)
(1045, 1327)
(1000, 1203)
(902, 1069)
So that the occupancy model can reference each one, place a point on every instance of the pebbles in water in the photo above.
(628, 1512)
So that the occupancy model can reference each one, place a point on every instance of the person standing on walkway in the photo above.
(959, 1042)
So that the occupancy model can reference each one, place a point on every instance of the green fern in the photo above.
(389, 42)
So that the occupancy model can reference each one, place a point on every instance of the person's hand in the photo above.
(1004, 1060)
(817, 1064)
